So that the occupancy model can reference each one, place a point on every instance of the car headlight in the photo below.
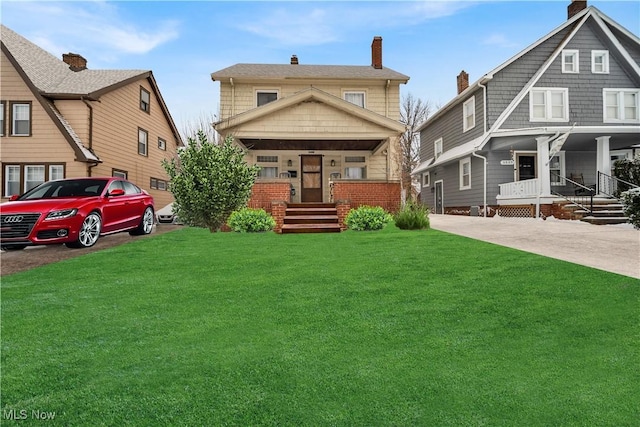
(65, 213)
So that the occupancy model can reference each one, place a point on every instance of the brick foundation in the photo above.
(385, 194)
(265, 192)
(278, 212)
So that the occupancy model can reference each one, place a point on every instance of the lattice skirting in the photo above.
(517, 211)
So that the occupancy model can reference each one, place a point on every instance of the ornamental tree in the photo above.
(209, 181)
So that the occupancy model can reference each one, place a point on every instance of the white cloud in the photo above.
(499, 40)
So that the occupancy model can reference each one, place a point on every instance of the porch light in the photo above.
(333, 162)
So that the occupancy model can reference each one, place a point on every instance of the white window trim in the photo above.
(548, 91)
(437, 143)
(461, 164)
(605, 55)
(426, 179)
(562, 169)
(265, 90)
(622, 118)
(469, 104)
(357, 92)
(576, 61)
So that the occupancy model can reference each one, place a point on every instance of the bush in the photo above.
(413, 216)
(249, 220)
(631, 203)
(367, 218)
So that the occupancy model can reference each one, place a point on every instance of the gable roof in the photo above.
(615, 33)
(297, 71)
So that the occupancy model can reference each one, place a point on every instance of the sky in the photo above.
(183, 42)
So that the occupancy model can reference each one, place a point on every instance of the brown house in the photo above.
(60, 119)
(320, 133)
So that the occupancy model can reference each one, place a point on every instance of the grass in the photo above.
(370, 328)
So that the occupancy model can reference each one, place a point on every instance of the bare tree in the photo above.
(203, 123)
(413, 112)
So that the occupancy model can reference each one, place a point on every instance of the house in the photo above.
(540, 128)
(320, 133)
(60, 119)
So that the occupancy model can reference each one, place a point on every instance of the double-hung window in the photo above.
(600, 61)
(426, 179)
(465, 173)
(2, 104)
(145, 100)
(549, 105)
(354, 97)
(266, 96)
(469, 114)
(437, 148)
(570, 61)
(621, 105)
(143, 141)
(19, 178)
(34, 176)
(21, 118)
(268, 166)
(11, 180)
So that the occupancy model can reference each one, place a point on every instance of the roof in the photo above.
(455, 153)
(297, 71)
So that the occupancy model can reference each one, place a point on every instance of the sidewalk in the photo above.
(605, 247)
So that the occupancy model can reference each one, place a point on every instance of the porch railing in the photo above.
(584, 200)
(612, 186)
(526, 188)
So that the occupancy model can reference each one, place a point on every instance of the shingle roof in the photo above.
(289, 71)
(53, 76)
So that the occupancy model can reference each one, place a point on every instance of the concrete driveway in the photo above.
(605, 247)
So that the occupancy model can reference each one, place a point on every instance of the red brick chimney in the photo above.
(76, 62)
(575, 7)
(294, 60)
(376, 53)
(463, 81)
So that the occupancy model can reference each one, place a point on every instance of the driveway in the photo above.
(606, 247)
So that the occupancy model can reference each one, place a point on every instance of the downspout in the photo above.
(386, 98)
(94, 164)
(475, 154)
(233, 97)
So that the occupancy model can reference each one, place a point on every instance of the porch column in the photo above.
(603, 157)
(544, 176)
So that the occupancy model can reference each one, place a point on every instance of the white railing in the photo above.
(527, 188)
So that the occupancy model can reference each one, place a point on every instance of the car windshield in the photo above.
(66, 188)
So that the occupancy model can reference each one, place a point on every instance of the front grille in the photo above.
(16, 226)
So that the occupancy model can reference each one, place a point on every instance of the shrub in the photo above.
(413, 216)
(249, 220)
(631, 203)
(367, 218)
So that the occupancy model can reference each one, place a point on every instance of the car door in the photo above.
(114, 210)
(134, 207)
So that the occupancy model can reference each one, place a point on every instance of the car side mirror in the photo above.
(14, 197)
(116, 192)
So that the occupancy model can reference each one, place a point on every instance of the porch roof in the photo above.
(312, 144)
(453, 154)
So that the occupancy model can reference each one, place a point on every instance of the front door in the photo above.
(525, 166)
(438, 202)
(311, 179)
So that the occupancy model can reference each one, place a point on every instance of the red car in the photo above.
(75, 212)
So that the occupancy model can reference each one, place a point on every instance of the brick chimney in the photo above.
(575, 7)
(294, 60)
(376, 53)
(76, 62)
(463, 81)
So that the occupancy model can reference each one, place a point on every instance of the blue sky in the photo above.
(184, 42)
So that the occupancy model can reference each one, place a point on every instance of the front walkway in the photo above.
(605, 247)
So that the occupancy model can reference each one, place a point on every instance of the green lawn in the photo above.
(389, 328)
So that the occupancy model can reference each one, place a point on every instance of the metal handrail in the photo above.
(577, 199)
(612, 183)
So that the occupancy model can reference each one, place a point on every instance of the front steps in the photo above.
(311, 218)
(605, 212)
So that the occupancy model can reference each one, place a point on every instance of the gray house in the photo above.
(539, 129)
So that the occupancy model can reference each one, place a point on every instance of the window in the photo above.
(465, 173)
(426, 179)
(549, 105)
(268, 172)
(118, 173)
(145, 100)
(266, 96)
(19, 178)
(437, 148)
(11, 180)
(162, 144)
(267, 159)
(621, 105)
(34, 176)
(2, 118)
(55, 172)
(557, 167)
(570, 62)
(469, 114)
(356, 98)
(356, 167)
(21, 118)
(600, 61)
(158, 184)
(143, 137)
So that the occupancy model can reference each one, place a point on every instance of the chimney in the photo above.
(463, 81)
(76, 62)
(575, 7)
(376, 53)
(294, 60)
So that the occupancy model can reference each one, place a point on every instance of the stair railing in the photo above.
(585, 202)
(612, 186)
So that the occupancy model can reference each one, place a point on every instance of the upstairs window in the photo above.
(354, 97)
(600, 61)
(145, 100)
(21, 118)
(162, 144)
(570, 62)
(469, 114)
(266, 96)
(549, 105)
(437, 148)
(2, 118)
(143, 139)
(621, 105)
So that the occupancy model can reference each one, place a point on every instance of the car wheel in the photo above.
(89, 232)
(14, 248)
(146, 223)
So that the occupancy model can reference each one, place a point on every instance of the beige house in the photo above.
(327, 132)
(62, 120)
